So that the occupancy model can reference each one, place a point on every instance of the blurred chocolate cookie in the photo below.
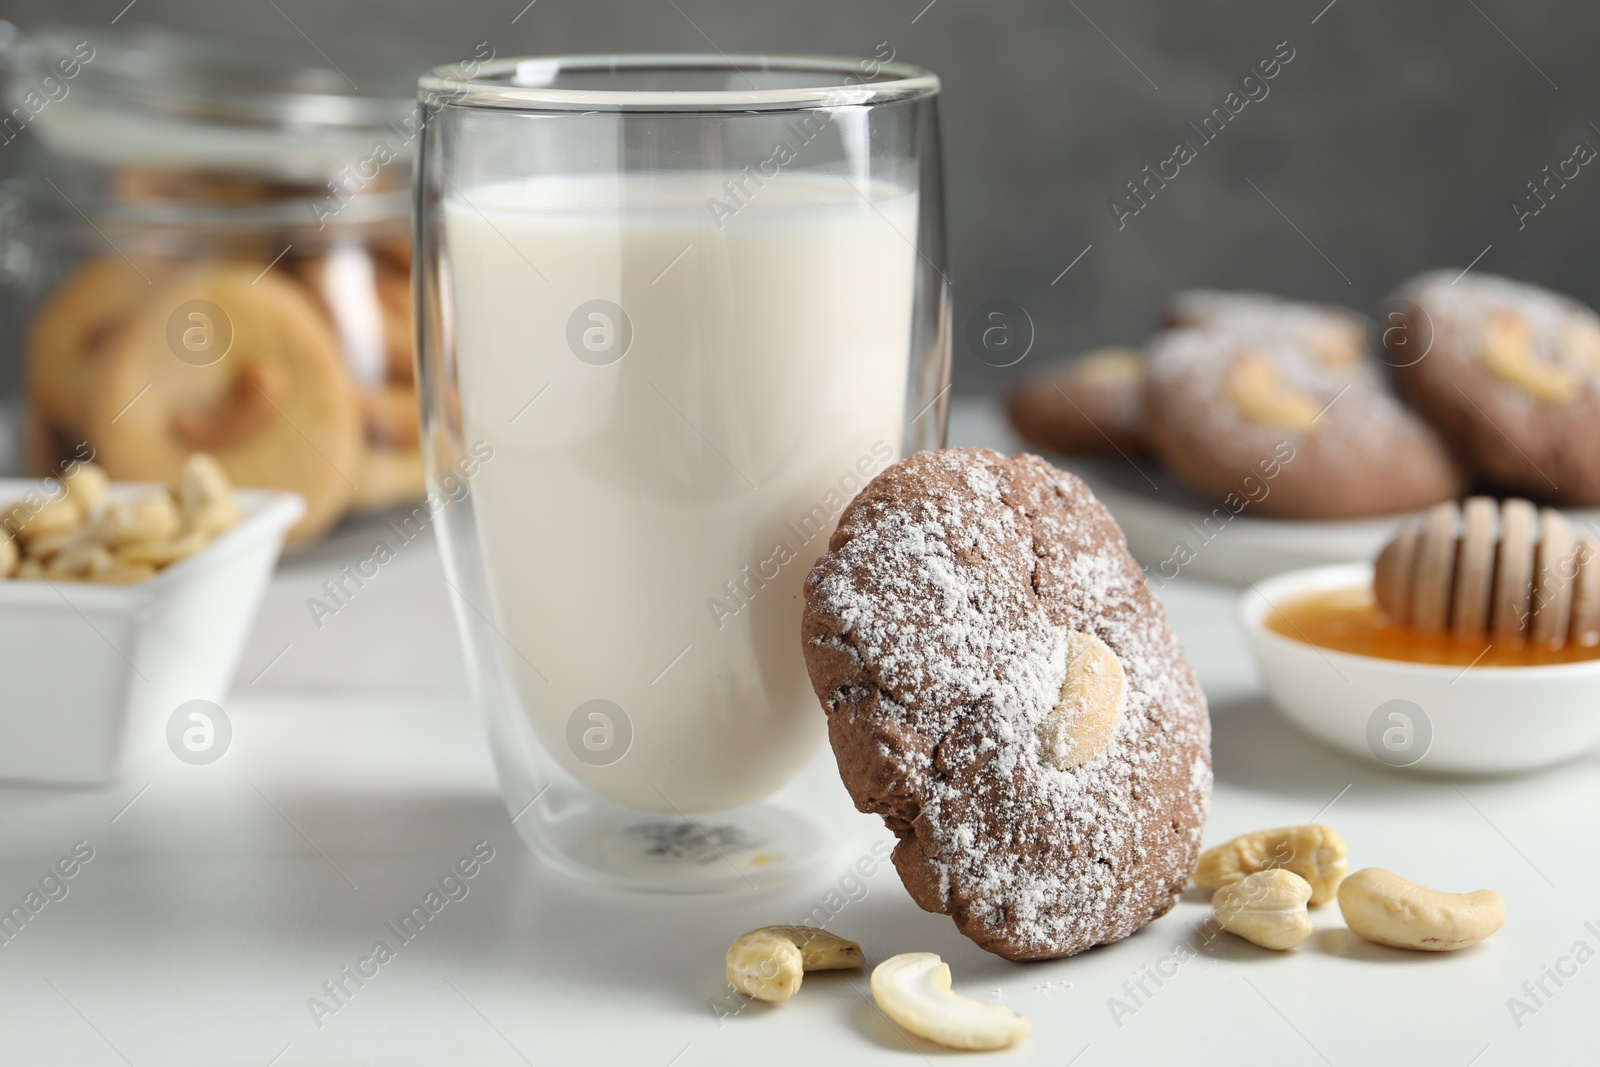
(1003, 689)
(1509, 373)
(1089, 406)
(1269, 419)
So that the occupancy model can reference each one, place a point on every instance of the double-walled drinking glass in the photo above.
(675, 311)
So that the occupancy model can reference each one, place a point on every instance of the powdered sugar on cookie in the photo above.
(936, 631)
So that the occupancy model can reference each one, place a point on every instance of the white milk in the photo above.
(677, 498)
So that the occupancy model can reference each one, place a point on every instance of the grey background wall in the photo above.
(1393, 141)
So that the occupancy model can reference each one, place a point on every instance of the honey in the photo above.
(1349, 620)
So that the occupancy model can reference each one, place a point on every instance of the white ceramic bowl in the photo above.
(91, 673)
(1419, 717)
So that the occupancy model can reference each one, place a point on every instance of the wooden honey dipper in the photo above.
(1508, 572)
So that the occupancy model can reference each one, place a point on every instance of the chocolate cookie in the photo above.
(1089, 406)
(1002, 688)
(1266, 419)
(1510, 374)
(1338, 335)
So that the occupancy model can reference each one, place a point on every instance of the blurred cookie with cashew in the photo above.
(1291, 423)
(1509, 373)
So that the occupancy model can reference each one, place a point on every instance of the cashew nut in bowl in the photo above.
(121, 540)
(205, 499)
(1267, 908)
(768, 963)
(127, 522)
(1314, 852)
(49, 519)
(913, 989)
(1388, 910)
(88, 485)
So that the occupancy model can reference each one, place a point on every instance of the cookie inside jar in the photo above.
(228, 275)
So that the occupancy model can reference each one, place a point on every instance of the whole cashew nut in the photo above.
(126, 522)
(1078, 730)
(768, 963)
(50, 519)
(913, 989)
(1314, 852)
(1257, 388)
(1388, 910)
(1508, 350)
(205, 498)
(1267, 908)
(88, 485)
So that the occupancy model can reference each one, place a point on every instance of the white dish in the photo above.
(1414, 716)
(1172, 531)
(92, 672)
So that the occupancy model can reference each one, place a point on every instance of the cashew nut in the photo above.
(88, 485)
(913, 989)
(1314, 852)
(205, 498)
(1257, 387)
(1078, 729)
(1267, 908)
(85, 536)
(53, 517)
(126, 522)
(768, 963)
(1508, 351)
(46, 547)
(80, 559)
(1385, 908)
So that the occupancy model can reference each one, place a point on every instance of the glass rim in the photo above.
(469, 84)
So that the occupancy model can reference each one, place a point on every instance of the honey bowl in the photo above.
(1337, 669)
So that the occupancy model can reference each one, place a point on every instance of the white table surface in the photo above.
(221, 897)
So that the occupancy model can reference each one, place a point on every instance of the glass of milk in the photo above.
(675, 311)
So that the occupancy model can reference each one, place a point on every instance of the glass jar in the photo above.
(212, 250)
